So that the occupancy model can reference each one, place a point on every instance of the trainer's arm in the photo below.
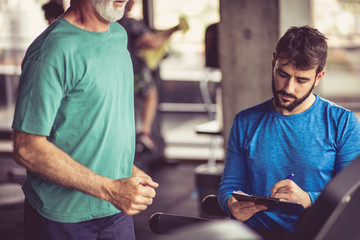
(36, 153)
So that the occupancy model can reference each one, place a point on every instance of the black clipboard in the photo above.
(273, 204)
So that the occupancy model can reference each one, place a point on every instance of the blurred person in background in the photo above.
(52, 11)
(141, 38)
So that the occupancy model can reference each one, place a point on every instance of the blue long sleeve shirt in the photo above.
(264, 147)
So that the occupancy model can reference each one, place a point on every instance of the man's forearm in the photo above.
(43, 158)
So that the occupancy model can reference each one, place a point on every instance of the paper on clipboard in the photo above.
(273, 204)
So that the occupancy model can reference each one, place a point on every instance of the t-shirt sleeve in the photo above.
(348, 139)
(234, 176)
(40, 93)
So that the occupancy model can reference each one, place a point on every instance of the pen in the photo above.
(290, 176)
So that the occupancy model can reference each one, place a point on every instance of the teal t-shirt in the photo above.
(76, 88)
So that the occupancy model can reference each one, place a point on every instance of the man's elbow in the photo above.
(18, 153)
(22, 148)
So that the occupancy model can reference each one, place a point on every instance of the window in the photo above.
(339, 20)
(20, 22)
(186, 58)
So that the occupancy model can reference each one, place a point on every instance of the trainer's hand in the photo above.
(242, 210)
(132, 195)
(288, 190)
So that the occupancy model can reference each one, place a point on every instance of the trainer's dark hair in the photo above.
(305, 46)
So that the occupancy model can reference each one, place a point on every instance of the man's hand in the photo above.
(242, 210)
(132, 195)
(288, 190)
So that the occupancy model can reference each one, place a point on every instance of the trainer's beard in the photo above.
(295, 103)
(107, 11)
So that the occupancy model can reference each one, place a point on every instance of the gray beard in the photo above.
(106, 11)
